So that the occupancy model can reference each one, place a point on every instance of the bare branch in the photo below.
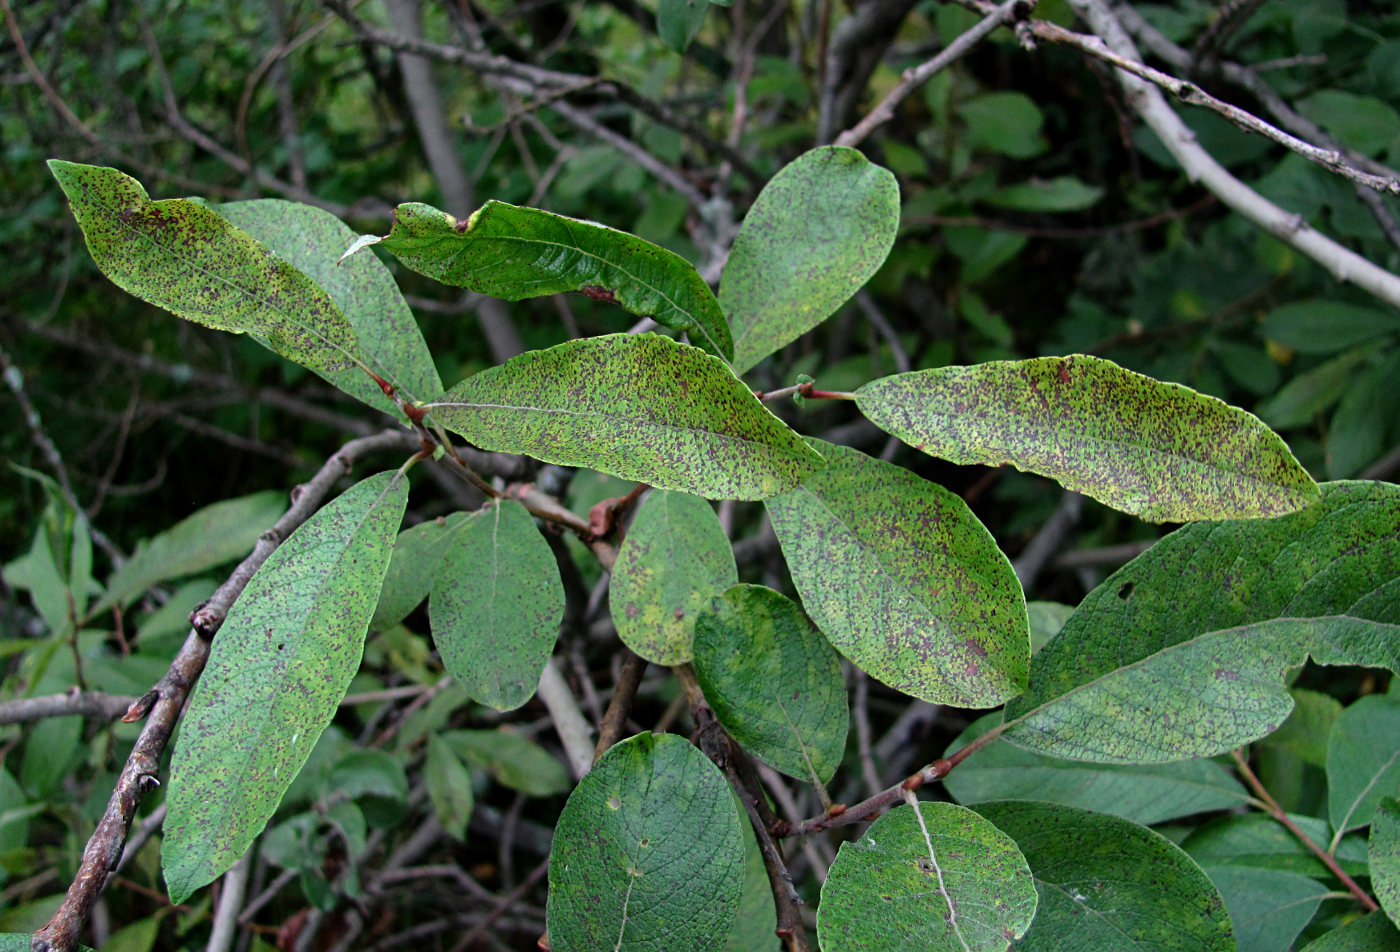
(93, 704)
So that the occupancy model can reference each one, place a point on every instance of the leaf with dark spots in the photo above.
(1159, 451)
(516, 253)
(816, 233)
(182, 256)
(636, 406)
(904, 580)
(278, 669)
(1194, 662)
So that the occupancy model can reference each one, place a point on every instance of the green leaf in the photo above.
(1308, 394)
(1064, 193)
(1004, 122)
(1256, 841)
(516, 253)
(1385, 856)
(674, 559)
(182, 256)
(1182, 652)
(449, 787)
(1144, 794)
(630, 869)
(496, 605)
(1373, 933)
(677, 21)
(1365, 123)
(903, 580)
(417, 552)
(1156, 450)
(939, 879)
(513, 760)
(1106, 885)
(278, 669)
(1363, 762)
(215, 534)
(773, 680)
(20, 941)
(1323, 327)
(756, 925)
(1356, 434)
(635, 406)
(1268, 908)
(391, 344)
(367, 773)
(816, 233)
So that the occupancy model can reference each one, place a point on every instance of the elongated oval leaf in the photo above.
(816, 233)
(1156, 450)
(636, 406)
(773, 680)
(675, 558)
(311, 240)
(496, 605)
(1182, 652)
(647, 853)
(516, 253)
(1385, 856)
(1106, 885)
(184, 257)
(1146, 793)
(449, 787)
(940, 880)
(1267, 907)
(417, 552)
(1258, 841)
(278, 669)
(1363, 761)
(512, 759)
(903, 580)
(215, 534)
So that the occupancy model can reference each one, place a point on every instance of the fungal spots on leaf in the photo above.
(1126, 591)
(614, 803)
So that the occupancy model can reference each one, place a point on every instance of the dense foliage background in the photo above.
(1039, 216)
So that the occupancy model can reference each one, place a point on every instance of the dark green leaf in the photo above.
(1325, 327)
(940, 879)
(773, 681)
(1268, 908)
(182, 256)
(1157, 450)
(1385, 856)
(515, 761)
(517, 253)
(20, 941)
(756, 925)
(1365, 123)
(1062, 194)
(1373, 933)
(903, 580)
(1107, 885)
(311, 240)
(1356, 435)
(629, 870)
(496, 605)
(1257, 841)
(1004, 122)
(1308, 394)
(636, 406)
(817, 232)
(367, 773)
(449, 787)
(213, 535)
(279, 667)
(1145, 794)
(677, 21)
(1363, 761)
(417, 552)
(1182, 652)
(675, 558)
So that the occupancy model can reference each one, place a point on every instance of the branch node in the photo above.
(141, 706)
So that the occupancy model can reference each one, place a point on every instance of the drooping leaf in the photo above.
(213, 535)
(940, 879)
(675, 558)
(1308, 394)
(677, 21)
(817, 232)
(630, 870)
(1144, 794)
(1268, 908)
(773, 680)
(449, 787)
(182, 256)
(278, 669)
(312, 240)
(1064, 193)
(496, 605)
(1373, 933)
(1385, 856)
(417, 552)
(1156, 450)
(1106, 885)
(636, 406)
(1363, 760)
(903, 580)
(512, 759)
(1182, 652)
(516, 253)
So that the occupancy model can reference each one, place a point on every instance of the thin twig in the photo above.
(620, 707)
(573, 728)
(235, 883)
(93, 704)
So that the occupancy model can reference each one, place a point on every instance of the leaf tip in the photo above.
(364, 241)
